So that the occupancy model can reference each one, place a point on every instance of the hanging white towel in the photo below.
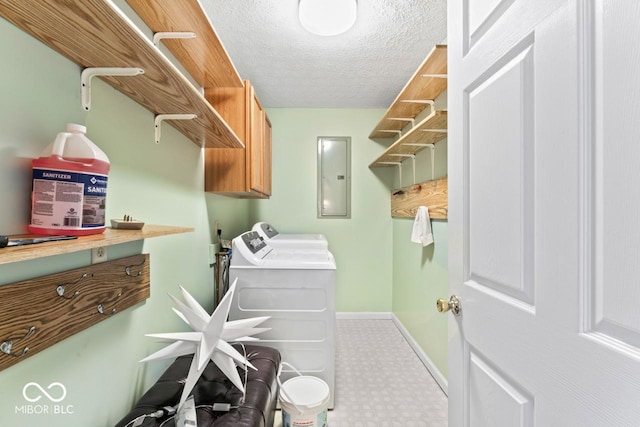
(421, 232)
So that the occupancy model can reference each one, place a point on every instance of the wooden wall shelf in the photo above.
(421, 133)
(95, 33)
(432, 194)
(204, 56)
(411, 100)
(109, 237)
(38, 313)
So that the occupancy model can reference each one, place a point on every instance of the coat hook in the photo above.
(6, 346)
(127, 269)
(60, 289)
(101, 308)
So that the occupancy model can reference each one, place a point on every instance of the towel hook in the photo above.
(101, 306)
(7, 345)
(127, 269)
(61, 288)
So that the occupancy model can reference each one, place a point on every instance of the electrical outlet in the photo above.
(98, 255)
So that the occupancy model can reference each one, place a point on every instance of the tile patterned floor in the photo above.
(380, 381)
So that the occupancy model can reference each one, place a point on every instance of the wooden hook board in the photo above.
(432, 194)
(38, 313)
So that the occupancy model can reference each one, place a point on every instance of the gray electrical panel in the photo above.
(334, 177)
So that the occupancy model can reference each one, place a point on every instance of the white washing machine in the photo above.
(297, 290)
(297, 241)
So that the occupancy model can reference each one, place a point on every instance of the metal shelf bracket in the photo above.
(433, 159)
(413, 161)
(419, 101)
(435, 76)
(404, 119)
(160, 117)
(399, 164)
(89, 73)
(172, 35)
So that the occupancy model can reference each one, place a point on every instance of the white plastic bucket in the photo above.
(304, 400)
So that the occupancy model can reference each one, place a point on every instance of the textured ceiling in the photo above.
(365, 67)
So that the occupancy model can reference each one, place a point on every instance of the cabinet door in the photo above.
(226, 168)
(240, 172)
(267, 155)
(256, 169)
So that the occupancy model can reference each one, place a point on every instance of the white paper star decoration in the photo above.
(209, 341)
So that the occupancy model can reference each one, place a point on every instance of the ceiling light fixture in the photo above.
(327, 17)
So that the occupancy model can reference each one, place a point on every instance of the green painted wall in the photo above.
(161, 184)
(420, 274)
(419, 278)
(362, 244)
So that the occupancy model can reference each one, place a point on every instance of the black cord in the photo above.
(160, 413)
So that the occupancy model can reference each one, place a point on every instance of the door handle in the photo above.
(453, 304)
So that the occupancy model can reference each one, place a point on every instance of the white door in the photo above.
(544, 195)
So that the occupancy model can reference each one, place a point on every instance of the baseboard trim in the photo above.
(431, 367)
(364, 315)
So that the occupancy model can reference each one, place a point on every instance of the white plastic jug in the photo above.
(69, 190)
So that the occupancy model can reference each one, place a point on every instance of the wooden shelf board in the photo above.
(96, 33)
(204, 56)
(436, 120)
(432, 194)
(417, 88)
(34, 303)
(109, 237)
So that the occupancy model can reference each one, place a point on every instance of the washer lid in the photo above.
(300, 259)
(297, 241)
(249, 250)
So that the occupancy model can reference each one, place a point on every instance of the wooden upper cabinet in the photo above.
(240, 172)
